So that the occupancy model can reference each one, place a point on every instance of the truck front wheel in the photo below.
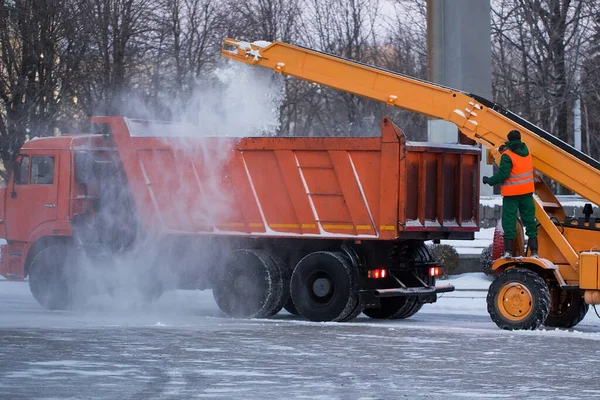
(51, 279)
(323, 287)
(518, 299)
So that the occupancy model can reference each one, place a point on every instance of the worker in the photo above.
(516, 176)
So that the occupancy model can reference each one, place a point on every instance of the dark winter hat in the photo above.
(514, 135)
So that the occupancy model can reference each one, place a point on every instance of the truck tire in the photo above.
(391, 308)
(284, 272)
(518, 299)
(358, 309)
(323, 287)
(50, 279)
(570, 310)
(415, 305)
(290, 307)
(250, 285)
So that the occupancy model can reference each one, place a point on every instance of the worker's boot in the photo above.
(532, 246)
(508, 246)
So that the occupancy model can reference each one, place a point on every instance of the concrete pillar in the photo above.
(460, 57)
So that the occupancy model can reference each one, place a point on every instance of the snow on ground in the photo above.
(184, 347)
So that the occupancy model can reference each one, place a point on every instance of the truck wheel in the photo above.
(285, 278)
(390, 308)
(290, 307)
(414, 307)
(518, 299)
(50, 279)
(250, 285)
(358, 309)
(323, 287)
(567, 310)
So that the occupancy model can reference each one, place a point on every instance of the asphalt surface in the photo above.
(184, 347)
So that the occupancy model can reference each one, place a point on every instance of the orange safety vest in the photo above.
(520, 180)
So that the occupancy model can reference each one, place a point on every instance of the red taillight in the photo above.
(377, 273)
(435, 271)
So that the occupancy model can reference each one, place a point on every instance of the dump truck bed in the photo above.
(363, 188)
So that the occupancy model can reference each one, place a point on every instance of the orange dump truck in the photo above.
(325, 227)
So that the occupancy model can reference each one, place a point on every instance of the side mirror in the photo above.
(16, 175)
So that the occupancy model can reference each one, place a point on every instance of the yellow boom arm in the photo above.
(477, 118)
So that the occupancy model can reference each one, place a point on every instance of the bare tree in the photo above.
(118, 47)
(41, 52)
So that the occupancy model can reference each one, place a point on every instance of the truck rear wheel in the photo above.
(410, 310)
(518, 299)
(290, 307)
(51, 279)
(323, 287)
(391, 308)
(250, 285)
(285, 292)
(567, 310)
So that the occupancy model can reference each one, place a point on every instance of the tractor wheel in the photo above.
(323, 287)
(250, 285)
(51, 277)
(567, 309)
(518, 299)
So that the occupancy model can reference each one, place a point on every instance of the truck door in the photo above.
(32, 195)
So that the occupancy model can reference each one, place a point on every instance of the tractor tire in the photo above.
(569, 310)
(323, 287)
(250, 285)
(51, 277)
(518, 299)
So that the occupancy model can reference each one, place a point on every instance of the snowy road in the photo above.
(183, 347)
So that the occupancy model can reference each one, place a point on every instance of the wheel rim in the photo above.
(515, 301)
(321, 287)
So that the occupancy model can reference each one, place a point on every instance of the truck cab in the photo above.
(35, 201)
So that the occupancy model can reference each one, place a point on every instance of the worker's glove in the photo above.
(486, 180)
(502, 148)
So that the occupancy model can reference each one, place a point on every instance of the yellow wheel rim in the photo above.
(514, 301)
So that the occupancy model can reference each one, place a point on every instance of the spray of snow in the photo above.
(236, 100)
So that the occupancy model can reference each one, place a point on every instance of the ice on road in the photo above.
(184, 347)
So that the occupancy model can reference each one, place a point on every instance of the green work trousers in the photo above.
(523, 204)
